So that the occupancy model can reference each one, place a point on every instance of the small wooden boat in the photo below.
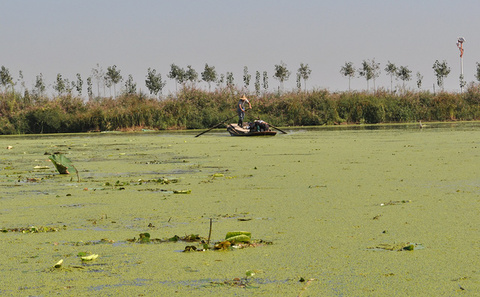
(236, 130)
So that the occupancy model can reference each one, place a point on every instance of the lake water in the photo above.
(332, 200)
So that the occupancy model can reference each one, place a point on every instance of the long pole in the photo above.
(214, 126)
(461, 65)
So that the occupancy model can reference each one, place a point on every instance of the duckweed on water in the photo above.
(32, 229)
(313, 192)
(397, 246)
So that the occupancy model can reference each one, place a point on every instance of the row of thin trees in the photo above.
(154, 81)
(369, 70)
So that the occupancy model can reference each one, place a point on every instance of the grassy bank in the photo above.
(192, 108)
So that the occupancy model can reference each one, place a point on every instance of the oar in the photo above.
(274, 127)
(222, 122)
(277, 128)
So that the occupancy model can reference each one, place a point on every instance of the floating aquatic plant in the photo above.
(31, 229)
(238, 236)
(63, 164)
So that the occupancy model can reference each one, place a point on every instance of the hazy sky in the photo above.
(70, 37)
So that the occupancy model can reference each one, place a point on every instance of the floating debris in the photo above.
(234, 240)
(58, 264)
(162, 181)
(236, 282)
(41, 167)
(145, 238)
(395, 202)
(397, 246)
(253, 243)
(90, 257)
(308, 283)
(31, 229)
(182, 191)
(190, 248)
(222, 245)
(32, 179)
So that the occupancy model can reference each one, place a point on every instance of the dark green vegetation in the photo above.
(192, 108)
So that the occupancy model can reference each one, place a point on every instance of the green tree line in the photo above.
(154, 82)
(370, 70)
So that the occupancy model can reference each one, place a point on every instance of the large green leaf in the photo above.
(63, 164)
(238, 236)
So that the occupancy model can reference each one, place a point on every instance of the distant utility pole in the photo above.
(460, 42)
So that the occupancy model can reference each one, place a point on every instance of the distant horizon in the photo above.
(71, 37)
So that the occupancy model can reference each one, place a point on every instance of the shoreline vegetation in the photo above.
(194, 108)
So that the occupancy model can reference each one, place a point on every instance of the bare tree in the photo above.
(99, 75)
(375, 72)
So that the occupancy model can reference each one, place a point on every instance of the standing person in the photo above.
(241, 109)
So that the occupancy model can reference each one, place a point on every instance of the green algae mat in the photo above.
(363, 211)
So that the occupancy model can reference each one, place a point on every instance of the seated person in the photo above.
(258, 126)
(263, 126)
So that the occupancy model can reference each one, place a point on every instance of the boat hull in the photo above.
(235, 130)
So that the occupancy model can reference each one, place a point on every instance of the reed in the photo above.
(193, 108)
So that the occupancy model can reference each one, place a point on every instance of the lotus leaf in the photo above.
(239, 236)
(63, 164)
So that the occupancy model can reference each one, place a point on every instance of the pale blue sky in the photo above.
(69, 37)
